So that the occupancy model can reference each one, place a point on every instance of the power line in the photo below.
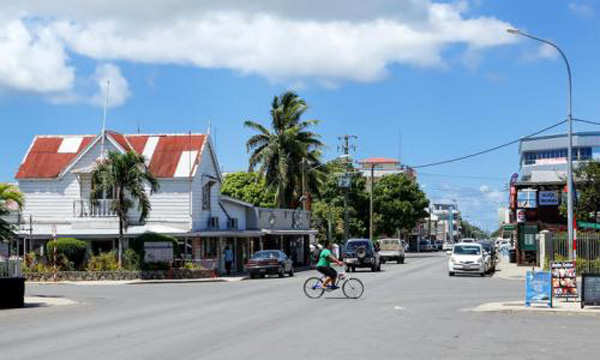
(587, 121)
(488, 150)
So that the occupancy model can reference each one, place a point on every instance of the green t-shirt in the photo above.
(324, 258)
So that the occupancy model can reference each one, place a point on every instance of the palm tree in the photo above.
(10, 199)
(124, 175)
(279, 153)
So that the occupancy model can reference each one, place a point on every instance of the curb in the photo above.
(519, 307)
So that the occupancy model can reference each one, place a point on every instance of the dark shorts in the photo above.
(327, 271)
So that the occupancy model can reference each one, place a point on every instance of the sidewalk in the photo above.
(139, 281)
(558, 307)
(507, 271)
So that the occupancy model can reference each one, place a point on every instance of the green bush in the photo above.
(103, 262)
(72, 249)
(131, 260)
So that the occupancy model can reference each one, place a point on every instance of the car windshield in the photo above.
(467, 250)
(265, 255)
(353, 245)
(487, 246)
(424, 242)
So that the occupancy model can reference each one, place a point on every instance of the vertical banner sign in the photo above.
(54, 255)
(538, 288)
(564, 279)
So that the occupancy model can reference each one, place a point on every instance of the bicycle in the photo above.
(352, 288)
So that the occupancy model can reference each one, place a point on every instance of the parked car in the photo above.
(447, 246)
(360, 253)
(391, 249)
(439, 245)
(468, 240)
(467, 258)
(489, 250)
(269, 262)
(425, 246)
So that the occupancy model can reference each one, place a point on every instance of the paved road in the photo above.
(410, 311)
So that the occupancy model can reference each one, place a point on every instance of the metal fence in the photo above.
(588, 250)
(10, 267)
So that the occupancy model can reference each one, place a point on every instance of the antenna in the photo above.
(104, 120)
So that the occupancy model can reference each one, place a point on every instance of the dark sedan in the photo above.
(269, 262)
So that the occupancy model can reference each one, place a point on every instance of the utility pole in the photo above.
(371, 203)
(345, 148)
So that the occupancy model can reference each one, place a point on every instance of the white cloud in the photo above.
(32, 59)
(118, 87)
(325, 42)
(582, 9)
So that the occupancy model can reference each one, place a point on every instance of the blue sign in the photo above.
(538, 288)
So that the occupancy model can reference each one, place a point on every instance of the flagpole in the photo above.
(104, 119)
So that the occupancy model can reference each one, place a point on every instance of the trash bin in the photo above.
(512, 256)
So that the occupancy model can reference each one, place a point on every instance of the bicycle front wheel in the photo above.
(313, 288)
(353, 288)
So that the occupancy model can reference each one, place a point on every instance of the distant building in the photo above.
(383, 166)
(448, 223)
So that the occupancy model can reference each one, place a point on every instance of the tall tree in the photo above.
(249, 187)
(10, 199)
(330, 206)
(399, 204)
(587, 188)
(124, 175)
(279, 152)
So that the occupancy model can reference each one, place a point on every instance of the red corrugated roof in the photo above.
(138, 142)
(43, 161)
(168, 151)
(379, 160)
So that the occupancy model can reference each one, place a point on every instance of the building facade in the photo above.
(55, 177)
(537, 192)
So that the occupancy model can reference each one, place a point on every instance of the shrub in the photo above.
(72, 249)
(131, 260)
(103, 262)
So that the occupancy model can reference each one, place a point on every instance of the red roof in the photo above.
(379, 160)
(43, 159)
(164, 152)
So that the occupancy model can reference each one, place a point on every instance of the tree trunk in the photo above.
(120, 251)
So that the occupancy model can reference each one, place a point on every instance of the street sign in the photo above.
(538, 288)
(344, 181)
(509, 227)
(588, 225)
(590, 290)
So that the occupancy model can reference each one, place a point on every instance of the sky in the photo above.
(417, 79)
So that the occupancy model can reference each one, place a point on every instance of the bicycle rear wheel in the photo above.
(313, 288)
(353, 288)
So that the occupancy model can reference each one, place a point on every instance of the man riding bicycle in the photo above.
(324, 266)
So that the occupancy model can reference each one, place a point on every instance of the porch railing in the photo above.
(93, 208)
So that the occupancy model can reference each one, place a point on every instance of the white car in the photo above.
(447, 246)
(467, 258)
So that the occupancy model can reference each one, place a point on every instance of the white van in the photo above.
(391, 249)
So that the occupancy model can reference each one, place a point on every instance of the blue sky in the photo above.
(442, 76)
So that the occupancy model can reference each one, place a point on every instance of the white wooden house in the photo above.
(55, 177)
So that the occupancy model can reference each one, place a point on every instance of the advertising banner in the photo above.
(538, 288)
(548, 198)
(158, 252)
(564, 279)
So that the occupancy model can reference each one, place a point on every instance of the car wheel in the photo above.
(482, 274)
(252, 276)
(281, 273)
(262, 276)
(400, 260)
(373, 268)
(383, 261)
(354, 269)
(291, 273)
(451, 273)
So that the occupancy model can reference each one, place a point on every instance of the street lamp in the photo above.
(572, 251)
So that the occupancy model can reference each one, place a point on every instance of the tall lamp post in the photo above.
(572, 244)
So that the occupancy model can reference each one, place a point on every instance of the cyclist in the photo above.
(324, 266)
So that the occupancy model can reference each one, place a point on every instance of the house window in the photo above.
(206, 196)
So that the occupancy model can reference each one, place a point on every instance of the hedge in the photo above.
(73, 249)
